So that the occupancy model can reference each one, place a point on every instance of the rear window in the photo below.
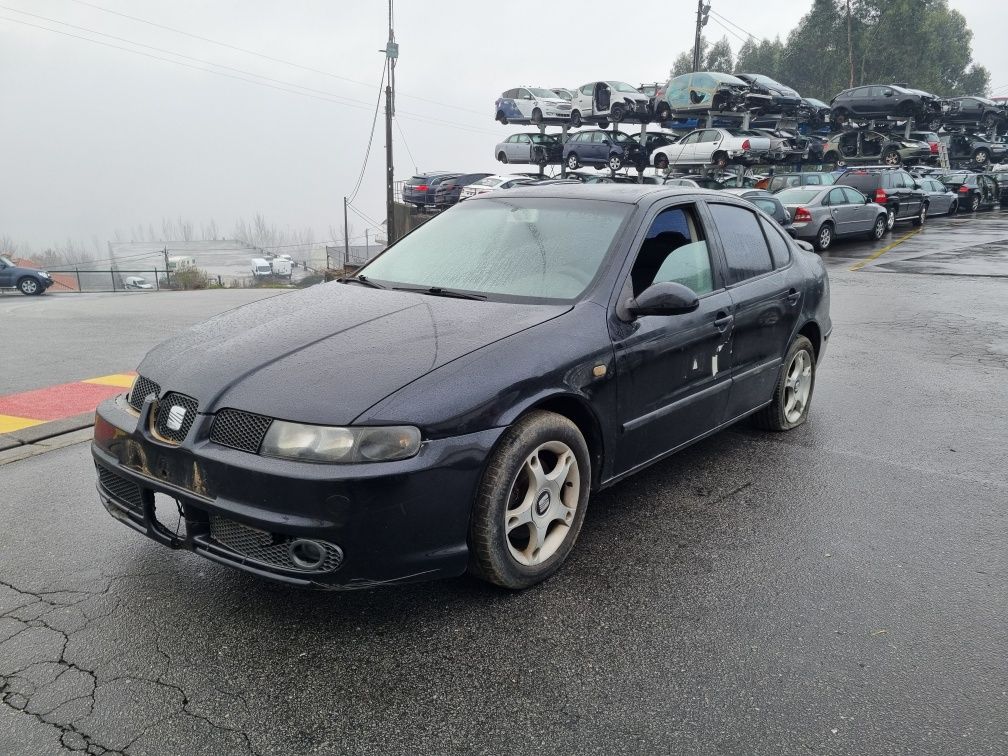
(418, 180)
(797, 196)
(866, 182)
(489, 181)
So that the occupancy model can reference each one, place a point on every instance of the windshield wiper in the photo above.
(362, 280)
(437, 291)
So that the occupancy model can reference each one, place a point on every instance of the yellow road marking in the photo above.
(123, 380)
(882, 251)
(10, 423)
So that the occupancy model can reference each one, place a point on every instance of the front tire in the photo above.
(501, 118)
(975, 203)
(576, 119)
(501, 157)
(720, 160)
(953, 207)
(531, 502)
(892, 157)
(921, 216)
(29, 286)
(615, 163)
(537, 116)
(890, 219)
(617, 112)
(792, 398)
(981, 157)
(661, 162)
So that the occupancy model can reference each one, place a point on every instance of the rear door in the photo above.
(766, 300)
(674, 371)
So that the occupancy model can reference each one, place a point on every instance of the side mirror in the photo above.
(665, 298)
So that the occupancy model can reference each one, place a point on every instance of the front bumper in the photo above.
(391, 522)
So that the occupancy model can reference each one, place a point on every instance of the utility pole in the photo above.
(367, 245)
(391, 55)
(166, 273)
(346, 236)
(701, 21)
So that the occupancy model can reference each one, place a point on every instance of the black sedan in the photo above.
(975, 191)
(30, 281)
(454, 405)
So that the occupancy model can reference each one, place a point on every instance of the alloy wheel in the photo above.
(975, 204)
(542, 503)
(880, 227)
(615, 163)
(572, 162)
(28, 286)
(797, 385)
(890, 219)
(825, 237)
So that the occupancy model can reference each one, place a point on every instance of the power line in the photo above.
(729, 21)
(328, 96)
(374, 122)
(730, 31)
(406, 145)
(264, 55)
(366, 218)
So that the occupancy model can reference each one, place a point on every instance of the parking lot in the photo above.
(837, 589)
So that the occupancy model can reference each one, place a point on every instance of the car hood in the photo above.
(326, 354)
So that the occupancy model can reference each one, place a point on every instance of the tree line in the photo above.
(923, 44)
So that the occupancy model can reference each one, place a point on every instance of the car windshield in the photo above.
(6, 262)
(619, 136)
(797, 196)
(816, 103)
(489, 181)
(543, 93)
(953, 178)
(543, 138)
(523, 248)
(766, 81)
(622, 86)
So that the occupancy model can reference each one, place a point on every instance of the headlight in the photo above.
(43, 273)
(322, 443)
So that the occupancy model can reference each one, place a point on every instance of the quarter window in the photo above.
(779, 248)
(673, 252)
(744, 245)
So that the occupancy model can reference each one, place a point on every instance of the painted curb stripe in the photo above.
(30, 408)
(122, 380)
(11, 423)
(882, 251)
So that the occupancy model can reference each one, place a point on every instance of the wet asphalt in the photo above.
(840, 589)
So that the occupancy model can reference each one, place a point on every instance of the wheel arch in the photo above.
(811, 331)
(578, 410)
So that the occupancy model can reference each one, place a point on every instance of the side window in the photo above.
(813, 180)
(587, 89)
(779, 248)
(766, 205)
(837, 197)
(854, 197)
(673, 252)
(745, 247)
(523, 139)
(524, 94)
(692, 138)
(510, 94)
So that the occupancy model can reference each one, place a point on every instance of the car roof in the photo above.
(625, 193)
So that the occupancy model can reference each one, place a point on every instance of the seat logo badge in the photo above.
(176, 416)
(542, 503)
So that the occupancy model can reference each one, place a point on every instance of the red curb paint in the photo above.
(57, 402)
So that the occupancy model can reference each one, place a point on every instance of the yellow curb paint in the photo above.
(882, 251)
(123, 380)
(10, 423)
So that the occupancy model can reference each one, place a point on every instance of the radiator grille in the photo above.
(268, 548)
(239, 430)
(184, 417)
(124, 490)
(142, 388)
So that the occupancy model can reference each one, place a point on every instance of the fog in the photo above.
(99, 138)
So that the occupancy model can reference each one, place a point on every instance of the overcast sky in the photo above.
(95, 138)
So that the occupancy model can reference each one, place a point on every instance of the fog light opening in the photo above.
(169, 515)
(307, 555)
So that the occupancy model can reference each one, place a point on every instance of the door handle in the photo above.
(722, 321)
(793, 296)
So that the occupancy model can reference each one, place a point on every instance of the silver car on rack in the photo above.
(822, 214)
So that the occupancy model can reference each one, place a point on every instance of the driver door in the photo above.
(673, 372)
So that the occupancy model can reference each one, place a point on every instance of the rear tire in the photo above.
(531, 502)
(663, 112)
(892, 157)
(576, 119)
(792, 398)
(615, 163)
(617, 112)
(824, 237)
(572, 162)
(661, 162)
(720, 159)
(537, 116)
(501, 157)
(502, 118)
(981, 157)
(880, 228)
(953, 207)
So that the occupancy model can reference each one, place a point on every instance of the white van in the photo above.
(137, 282)
(261, 268)
(281, 267)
